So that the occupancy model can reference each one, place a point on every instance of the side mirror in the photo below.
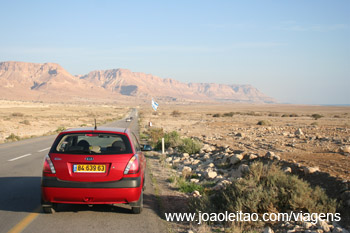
(146, 148)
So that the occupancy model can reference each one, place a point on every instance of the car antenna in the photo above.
(95, 125)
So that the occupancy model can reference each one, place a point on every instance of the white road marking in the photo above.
(19, 157)
(44, 149)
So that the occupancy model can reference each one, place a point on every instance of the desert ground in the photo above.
(318, 143)
(20, 120)
(322, 143)
(312, 142)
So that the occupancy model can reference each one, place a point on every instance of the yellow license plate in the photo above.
(90, 168)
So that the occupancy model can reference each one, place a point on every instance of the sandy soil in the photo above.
(29, 119)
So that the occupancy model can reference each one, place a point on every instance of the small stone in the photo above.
(196, 161)
(211, 165)
(339, 230)
(268, 230)
(298, 132)
(185, 155)
(186, 171)
(193, 180)
(310, 170)
(195, 193)
(169, 159)
(206, 156)
(287, 170)
(271, 155)
(345, 149)
(323, 226)
(307, 225)
(211, 174)
(252, 156)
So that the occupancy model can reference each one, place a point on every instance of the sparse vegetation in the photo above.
(17, 114)
(12, 138)
(264, 122)
(217, 115)
(188, 187)
(26, 122)
(266, 189)
(290, 115)
(154, 135)
(228, 114)
(175, 113)
(316, 116)
(60, 129)
(184, 185)
(171, 139)
(190, 146)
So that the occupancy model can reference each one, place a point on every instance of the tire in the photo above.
(138, 206)
(48, 210)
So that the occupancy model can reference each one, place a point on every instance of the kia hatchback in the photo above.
(94, 166)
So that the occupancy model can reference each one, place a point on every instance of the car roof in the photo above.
(98, 130)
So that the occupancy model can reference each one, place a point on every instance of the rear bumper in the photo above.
(126, 190)
(53, 182)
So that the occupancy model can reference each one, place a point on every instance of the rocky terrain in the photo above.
(318, 151)
(51, 82)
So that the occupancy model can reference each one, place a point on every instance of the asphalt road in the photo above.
(20, 173)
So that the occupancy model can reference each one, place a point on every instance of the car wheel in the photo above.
(137, 209)
(49, 208)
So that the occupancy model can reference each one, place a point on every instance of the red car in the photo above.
(94, 166)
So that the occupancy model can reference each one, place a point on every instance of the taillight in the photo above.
(133, 165)
(48, 166)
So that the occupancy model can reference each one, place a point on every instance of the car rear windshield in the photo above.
(92, 143)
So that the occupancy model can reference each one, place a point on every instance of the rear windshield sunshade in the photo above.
(92, 143)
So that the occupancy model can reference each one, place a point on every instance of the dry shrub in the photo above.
(264, 122)
(176, 113)
(266, 189)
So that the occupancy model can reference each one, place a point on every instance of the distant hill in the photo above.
(50, 82)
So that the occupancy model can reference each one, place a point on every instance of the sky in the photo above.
(295, 51)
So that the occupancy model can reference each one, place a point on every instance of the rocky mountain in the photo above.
(49, 81)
